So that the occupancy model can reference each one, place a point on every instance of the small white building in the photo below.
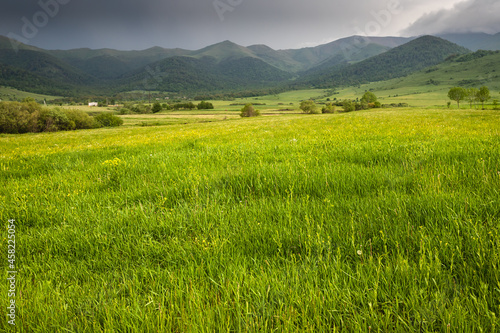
(93, 104)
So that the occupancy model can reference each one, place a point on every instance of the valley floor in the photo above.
(381, 220)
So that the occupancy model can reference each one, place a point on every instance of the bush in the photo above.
(81, 119)
(205, 106)
(249, 111)
(329, 108)
(363, 105)
(369, 97)
(18, 118)
(348, 106)
(54, 120)
(309, 107)
(156, 107)
(188, 106)
(108, 120)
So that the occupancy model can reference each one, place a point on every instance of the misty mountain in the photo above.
(206, 74)
(475, 41)
(400, 61)
(222, 67)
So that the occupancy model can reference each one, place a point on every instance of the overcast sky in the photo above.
(193, 24)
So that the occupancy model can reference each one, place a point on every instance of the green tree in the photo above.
(156, 107)
(457, 94)
(348, 105)
(249, 111)
(308, 107)
(369, 97)
(483, 95)
(205, 106)
(328, 108)
(471, 95)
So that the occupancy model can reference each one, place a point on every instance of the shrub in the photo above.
(17, 118)
(309, 107)
(81, 119)
(205, 106)
(156, 107)
(108, 120)
(329, 108)
(249, 111)
(348, 106)
(369, 97)
(141, 108)
(54, 120)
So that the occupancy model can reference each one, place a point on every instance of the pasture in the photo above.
(371, 221)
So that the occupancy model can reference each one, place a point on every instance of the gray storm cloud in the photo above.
(193, 24)
(467, 16)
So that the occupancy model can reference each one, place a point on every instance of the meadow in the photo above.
(371, 221)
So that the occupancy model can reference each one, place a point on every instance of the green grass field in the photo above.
(372, 221)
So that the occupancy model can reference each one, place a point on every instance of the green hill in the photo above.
(42, 64)
(223, 51)
(400, 61)
(207, 74)
(111, 64)
(470, 70)
(223, 67)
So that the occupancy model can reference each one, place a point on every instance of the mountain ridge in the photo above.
(228, 66)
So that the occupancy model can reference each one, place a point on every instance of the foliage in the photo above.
(205, 105)
(81, 119)
(17, 118)
(138, 108)
(328, 108)
(475, 55)
(348, 105)
(309, 107)
(108, 120)
(156, 107)
(457, 94)
(249, 111)
(369, 97)
(471, 95)
(483, 95)
(186, 106)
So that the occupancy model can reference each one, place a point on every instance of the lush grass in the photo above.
(11, 94)
(369, 221)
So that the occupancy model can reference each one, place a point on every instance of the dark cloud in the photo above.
(192, 24)
(464, 17)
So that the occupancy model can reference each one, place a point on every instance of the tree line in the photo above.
(471, 95)
(30, 117)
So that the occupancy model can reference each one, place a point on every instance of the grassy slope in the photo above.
(7, 94)
(398, 62)
(475, 73)
(381, 219)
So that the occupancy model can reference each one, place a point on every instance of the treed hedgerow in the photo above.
(31, 117)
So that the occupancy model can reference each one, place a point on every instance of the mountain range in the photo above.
(226, 66)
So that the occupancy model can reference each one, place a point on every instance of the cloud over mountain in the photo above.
(464, 17)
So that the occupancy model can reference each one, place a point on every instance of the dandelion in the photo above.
(360, 252)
